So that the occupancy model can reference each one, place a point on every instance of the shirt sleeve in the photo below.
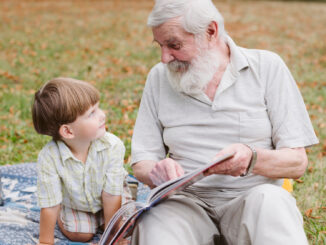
(115, 174)
(147, 140)
(291, 125)
(48, 181)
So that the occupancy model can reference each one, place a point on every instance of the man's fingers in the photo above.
(165, 170)
(179, 169)
(171, 171)
(221, 168)
(156, 176)
(161, 172)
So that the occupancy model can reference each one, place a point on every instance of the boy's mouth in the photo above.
(102, 125)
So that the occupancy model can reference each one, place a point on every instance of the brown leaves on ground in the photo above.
(309, 212)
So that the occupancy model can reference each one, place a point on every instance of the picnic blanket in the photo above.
(20, 215)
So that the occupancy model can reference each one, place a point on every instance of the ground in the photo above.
(108, 44)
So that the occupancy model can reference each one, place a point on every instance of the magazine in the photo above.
(122, 223)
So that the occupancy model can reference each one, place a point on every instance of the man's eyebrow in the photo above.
(169, 41)
(173, 40)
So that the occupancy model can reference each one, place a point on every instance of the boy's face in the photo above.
(90, 125)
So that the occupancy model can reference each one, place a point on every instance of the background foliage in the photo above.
(108, 44)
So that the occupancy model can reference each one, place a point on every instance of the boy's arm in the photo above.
(111, 204)
(48, 220)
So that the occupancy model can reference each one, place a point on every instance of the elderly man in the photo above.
(206, 98)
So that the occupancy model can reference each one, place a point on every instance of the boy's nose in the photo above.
(102, 114)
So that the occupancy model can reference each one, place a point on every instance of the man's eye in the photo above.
(175, 46)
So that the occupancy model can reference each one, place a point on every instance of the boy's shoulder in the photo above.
(50, 148)
(49, 153)
(109, 140)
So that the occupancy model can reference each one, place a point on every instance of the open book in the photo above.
(122, 223)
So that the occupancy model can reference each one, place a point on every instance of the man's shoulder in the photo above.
(156, 80)
(158, 68)
(156, 73)
(261, 57)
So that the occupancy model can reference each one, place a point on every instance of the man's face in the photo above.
(176, 44)
(190, 63)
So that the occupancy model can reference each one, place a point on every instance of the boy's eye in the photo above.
(92, 113)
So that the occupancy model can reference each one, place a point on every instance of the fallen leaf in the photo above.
(298, 180)
(315, 217)
(308, 212)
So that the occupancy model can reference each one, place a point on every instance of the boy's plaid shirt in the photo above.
(64, 179)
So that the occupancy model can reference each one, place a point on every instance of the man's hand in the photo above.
(234, 166)
(165, 170)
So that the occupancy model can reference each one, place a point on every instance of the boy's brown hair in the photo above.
(61, 101)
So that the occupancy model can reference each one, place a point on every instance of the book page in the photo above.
(119, 219)
(171, 186)
(122, 223)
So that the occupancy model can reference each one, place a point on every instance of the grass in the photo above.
(108, 44)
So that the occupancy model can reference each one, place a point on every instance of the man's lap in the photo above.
(242, 220)
(180, 219)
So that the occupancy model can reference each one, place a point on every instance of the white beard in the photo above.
(193, 78)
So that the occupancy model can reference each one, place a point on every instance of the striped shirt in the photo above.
(62, 178)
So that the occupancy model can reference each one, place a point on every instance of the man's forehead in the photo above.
(170, 32)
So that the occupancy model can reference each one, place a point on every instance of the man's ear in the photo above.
(66, 132)
(212, 31)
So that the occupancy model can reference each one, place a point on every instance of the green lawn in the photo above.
(108, 44)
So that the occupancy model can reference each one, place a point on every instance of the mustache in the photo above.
(178, 65)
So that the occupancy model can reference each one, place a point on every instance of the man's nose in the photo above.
(166, 55)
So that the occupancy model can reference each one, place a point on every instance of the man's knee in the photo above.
(269, 193)
(272, 199)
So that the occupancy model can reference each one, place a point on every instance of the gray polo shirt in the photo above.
(257, 103)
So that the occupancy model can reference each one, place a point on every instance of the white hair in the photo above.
(195, 15)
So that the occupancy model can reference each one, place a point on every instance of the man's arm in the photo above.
(111, 204)
(282, 163)
(48, 220)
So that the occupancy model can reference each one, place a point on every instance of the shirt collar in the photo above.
(237, 62)
(237, 58)
(101, 144)
(96, 145)
(65, 152)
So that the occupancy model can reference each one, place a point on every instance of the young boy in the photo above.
(80, 172)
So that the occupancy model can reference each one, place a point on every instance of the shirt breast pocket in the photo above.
(255, 128)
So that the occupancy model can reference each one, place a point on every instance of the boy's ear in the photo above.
(66, 132)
